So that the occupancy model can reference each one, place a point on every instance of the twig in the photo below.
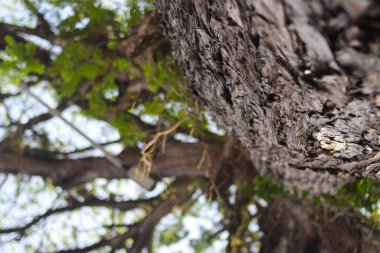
(148, 149)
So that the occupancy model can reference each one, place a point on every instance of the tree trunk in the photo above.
(290, 226)
(297, 82)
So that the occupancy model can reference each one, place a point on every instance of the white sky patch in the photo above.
(124, 188)
(82, 23)
(185, 138)
(232, 197)
(3, 121)
(22, 107)
(55, 15)
(208, 218)
(98, 131)
(261, 202)
(84, 224)
(117, 5)
(6, 87)
(253, 226)
(150, 119)
(252, 209)
(28, 196)
(212, 127)
(83, 229)
(14, 12)
(44, 44)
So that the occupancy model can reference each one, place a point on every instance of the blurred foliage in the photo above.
(265, 188)
(85, 63)
(363, 195)
(18, 60)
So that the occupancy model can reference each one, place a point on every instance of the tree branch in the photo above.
(89, 202)
(180, 191)
(178, 159)
(43, 27)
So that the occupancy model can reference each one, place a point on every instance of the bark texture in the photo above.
(291, 226)
(297, 82)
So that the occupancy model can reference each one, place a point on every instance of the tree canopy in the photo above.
(118, 71)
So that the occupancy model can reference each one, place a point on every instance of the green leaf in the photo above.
(122, 64)
(90, 70)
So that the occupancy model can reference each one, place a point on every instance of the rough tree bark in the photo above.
(297, 83)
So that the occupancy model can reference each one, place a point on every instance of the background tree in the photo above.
(278, 77)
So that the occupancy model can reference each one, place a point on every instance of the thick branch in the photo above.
(178, 159)
(43, 27)
(282, 78)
